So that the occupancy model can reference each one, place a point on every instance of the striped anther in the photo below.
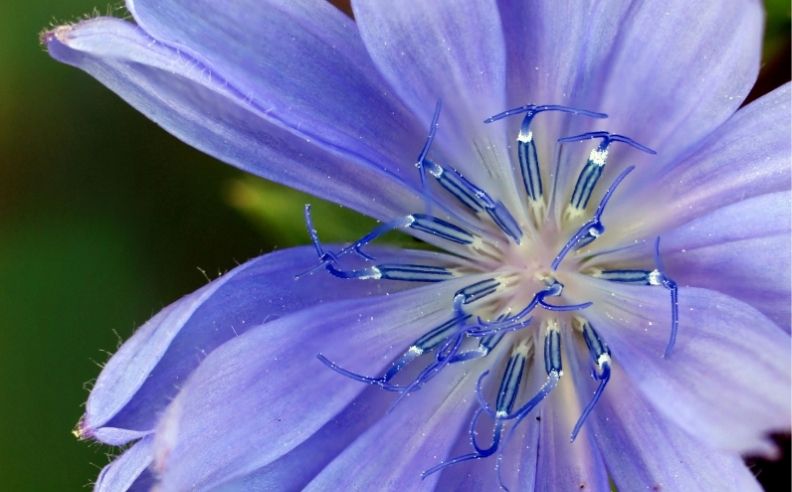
(440, 228)
(510, 383)
(413, 273)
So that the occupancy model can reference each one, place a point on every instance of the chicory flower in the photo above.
(608, 299)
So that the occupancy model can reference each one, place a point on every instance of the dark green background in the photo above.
(104, 219)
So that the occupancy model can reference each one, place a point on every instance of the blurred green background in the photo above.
(104, 219)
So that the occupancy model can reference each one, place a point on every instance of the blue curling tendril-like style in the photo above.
(466, 335)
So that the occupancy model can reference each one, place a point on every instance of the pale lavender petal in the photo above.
(130, 471)
(295, 469)
(742, 250)
(565, 465)
(139, 381)
(748, 156)
(645, 451)
(517, 468)
(667, 73)
(556, 52)
(304, 63)
(727, 381)
(415, 436)
(678, 69)
(450, 51)
(237, 413)
(202, 108)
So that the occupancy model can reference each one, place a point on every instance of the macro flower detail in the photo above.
(607, 297)
(522, 273)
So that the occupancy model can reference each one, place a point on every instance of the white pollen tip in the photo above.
(415, 350)
(525, 137)
(655, 277)
(598, 156)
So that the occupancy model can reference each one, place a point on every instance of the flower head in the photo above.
(608, 297)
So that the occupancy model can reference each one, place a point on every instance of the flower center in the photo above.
(521, 264)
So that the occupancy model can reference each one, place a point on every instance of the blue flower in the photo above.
(600, 305)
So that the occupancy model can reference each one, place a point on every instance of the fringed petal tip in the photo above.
(113, 436)
(81, 430)
(47, 36)
(55, 37)
(144, 375)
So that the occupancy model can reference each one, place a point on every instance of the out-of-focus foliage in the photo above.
(777, 28)
(277, 212)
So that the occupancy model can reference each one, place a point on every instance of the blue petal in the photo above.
(563, 465)
(454, 52)
(130, 471)
(416, 435)
(302, 61)
(518, 467)
(742, 250)
(203, 108)
(747, 156)
(727, 381)
(644, 451)
(263, 393)
(295, 469)
(146, 372)
(678, 70)
(667, 73)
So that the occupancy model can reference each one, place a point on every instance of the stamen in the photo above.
(601, 356)
(426, 343)
(508, 323)
(552, 351)
(378, 231)
(507, 395)
(413, 273)
(480, 322)
(440, 228)
(638, 277)
(443, 356)
(368, 273)
(425, 151)
(401, 272)
(314, 235)
(485, 346)
(353, 375)
(459, 186)
(656, 277)
(474, 292)
(673, 289)
(594, 228)
(510, 383)
(592, 171)
(533, 110)
(553, 367)
(395, 271)
(420, 222)
(505, 221)
(475, 198)
(527, 154)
